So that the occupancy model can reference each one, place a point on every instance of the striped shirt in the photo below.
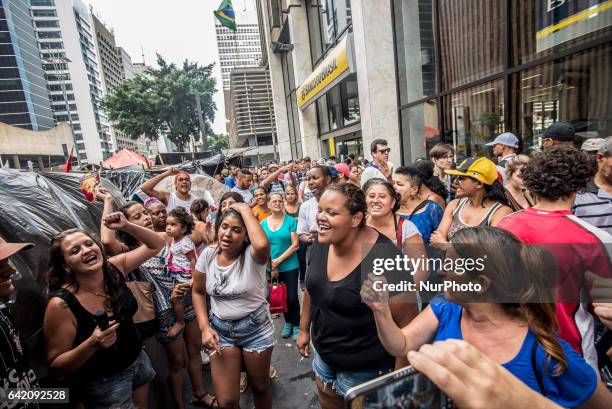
(594, 207)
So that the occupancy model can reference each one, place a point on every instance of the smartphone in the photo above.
(405, 388)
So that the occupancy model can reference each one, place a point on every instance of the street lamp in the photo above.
(56, 61)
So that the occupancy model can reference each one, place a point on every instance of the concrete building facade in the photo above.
(68, 49)
(252, 122)
(24, 98)
(333, 76)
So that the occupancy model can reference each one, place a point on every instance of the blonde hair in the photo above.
(515, 163)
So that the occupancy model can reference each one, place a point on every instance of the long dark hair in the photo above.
(521, 280)
(58, 276)
(495, 193)
(426, 169)
(229, 213)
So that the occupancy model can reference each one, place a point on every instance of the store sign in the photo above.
(563, 20)
(336, 66)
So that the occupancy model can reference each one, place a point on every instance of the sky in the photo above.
(178, 30)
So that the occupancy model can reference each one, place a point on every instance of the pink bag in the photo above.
(278, 297)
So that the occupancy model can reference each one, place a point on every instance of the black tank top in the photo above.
(343, 327)
(105, 362)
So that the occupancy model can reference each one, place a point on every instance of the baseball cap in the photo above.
(560, 131)
(8, 249)
(343, 168)
(321, 161)
(507, 138)
(333, 172)
(481, 169)
(593, 144)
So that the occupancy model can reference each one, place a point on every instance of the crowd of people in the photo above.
(524, 338)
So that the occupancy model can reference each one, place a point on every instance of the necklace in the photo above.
(99, 294)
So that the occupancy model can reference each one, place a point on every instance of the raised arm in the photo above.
(272, 177)
(398, 342)
(148, 187)
(108, 236)
(152, 243)
(260, 245)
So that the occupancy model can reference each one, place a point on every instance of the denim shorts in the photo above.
(166, 320)
(341, 381)
(253, 333)
(115, 391)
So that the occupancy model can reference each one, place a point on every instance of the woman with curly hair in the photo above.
(554, 176)
(106, 367)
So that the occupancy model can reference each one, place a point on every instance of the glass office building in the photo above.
(24, 98)
(470, 69)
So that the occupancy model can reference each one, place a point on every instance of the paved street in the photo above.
(294, 388)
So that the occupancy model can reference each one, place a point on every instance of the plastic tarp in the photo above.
(128, 180)
(37, 206)
(199, 184)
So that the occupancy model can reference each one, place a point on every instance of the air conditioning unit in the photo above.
(278, 47)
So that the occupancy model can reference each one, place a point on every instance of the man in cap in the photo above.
(592, 145)
(504, 146)
(594, 206)
(559, 134)
(15, 370)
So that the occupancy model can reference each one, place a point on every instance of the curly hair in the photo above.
(183, 217)
(58, 276)
(355, 199)
(558, 172)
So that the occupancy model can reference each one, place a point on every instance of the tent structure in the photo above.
(125, 158)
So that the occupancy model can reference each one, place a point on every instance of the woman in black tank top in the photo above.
(102, 366)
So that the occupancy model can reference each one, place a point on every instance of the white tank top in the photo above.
(174, 201)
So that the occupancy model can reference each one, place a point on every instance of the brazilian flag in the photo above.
(225, 15)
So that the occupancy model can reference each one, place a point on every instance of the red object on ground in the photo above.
(68, 164)
(125, 158)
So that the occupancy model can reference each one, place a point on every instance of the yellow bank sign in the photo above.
(338, 64)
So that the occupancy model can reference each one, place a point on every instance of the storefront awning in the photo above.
(339, 63)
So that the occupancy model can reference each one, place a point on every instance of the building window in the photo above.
(416, 57)
(49, 34)
(473, 117)
(420, 129)
(574, 89)
(44, 13)
(36, 3)
(47, 24)
(327, 20)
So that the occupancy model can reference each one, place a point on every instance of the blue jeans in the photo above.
(341, 381)
(116, 390)
(253, 333)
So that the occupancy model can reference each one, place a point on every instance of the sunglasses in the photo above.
(385, 151)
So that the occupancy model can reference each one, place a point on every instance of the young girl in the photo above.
(181, 261)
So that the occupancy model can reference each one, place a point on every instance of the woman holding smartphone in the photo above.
(520, 334)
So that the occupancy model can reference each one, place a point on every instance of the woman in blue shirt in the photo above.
(281, 231)
(509, 318)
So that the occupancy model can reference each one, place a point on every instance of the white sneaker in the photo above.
(205, 357)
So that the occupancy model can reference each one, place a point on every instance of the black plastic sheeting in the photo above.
(128, 180)
(37, 206)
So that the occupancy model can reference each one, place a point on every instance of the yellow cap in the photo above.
(481, 169)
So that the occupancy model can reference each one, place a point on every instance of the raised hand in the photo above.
(115, 221)
(378, 301)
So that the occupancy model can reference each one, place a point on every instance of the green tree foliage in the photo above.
(216, 142)
(163, 101)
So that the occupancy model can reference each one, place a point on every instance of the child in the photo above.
(181, 260)
(203, 231)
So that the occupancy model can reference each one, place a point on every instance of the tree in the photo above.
(216, 142)
(163, 102)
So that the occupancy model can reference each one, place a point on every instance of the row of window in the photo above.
(36, 3)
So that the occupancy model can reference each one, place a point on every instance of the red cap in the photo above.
(343, 168)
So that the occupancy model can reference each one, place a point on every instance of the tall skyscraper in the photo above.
(24, 98)
(240, 48)
(67, 46)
